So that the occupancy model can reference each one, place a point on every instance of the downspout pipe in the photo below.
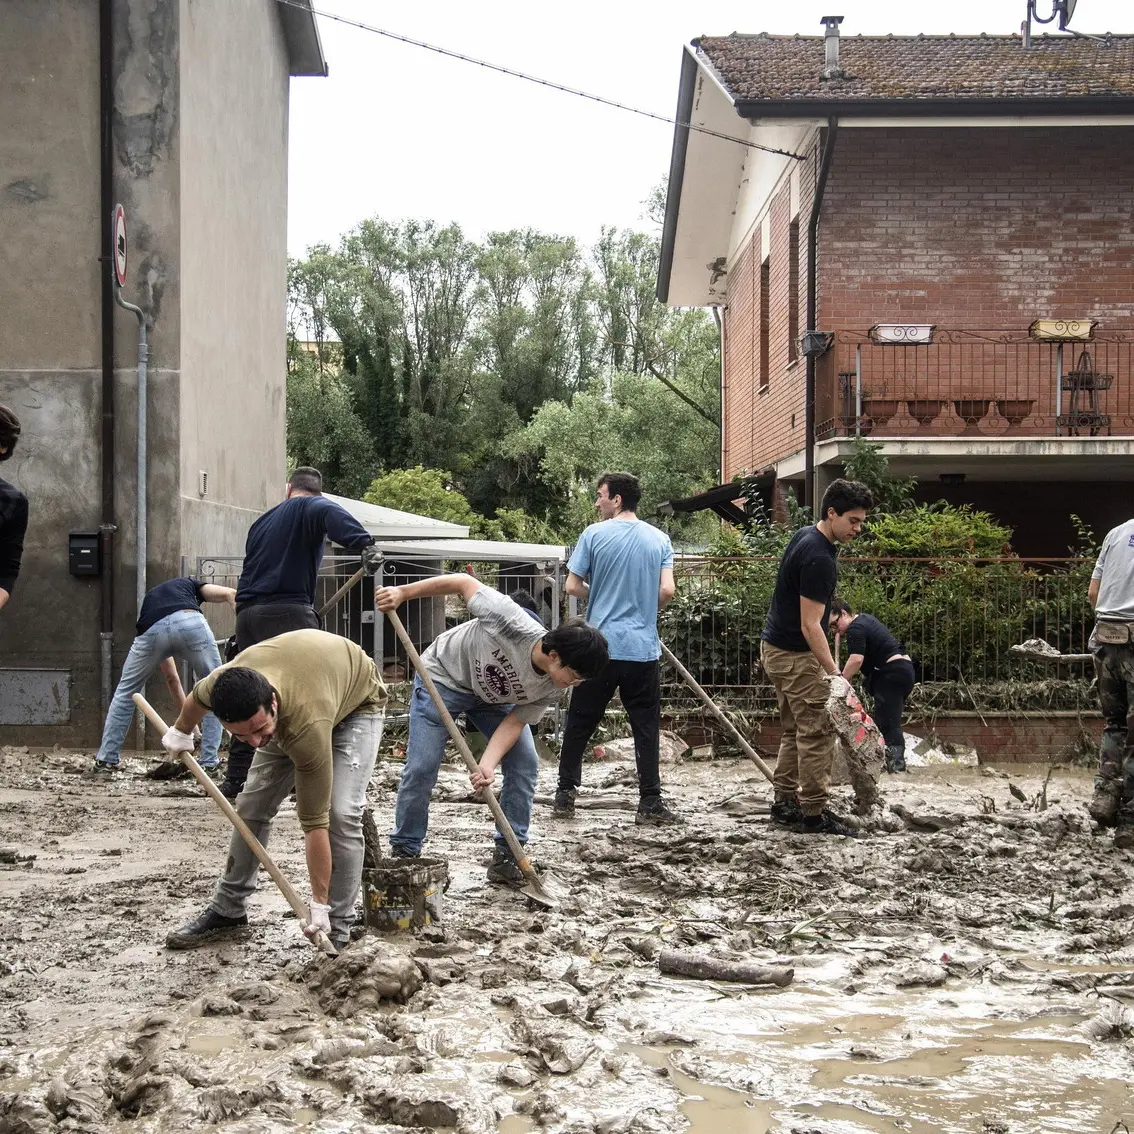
(107, 524)
(143, 476)
(812, 306)
(721, 391)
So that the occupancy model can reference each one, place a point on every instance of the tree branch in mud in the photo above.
(696, 965)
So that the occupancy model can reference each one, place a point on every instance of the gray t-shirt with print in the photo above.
(1115, 570)
(490, 656)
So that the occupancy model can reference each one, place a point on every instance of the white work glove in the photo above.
(318, 918)
(839, 685)
(175, 742)
(197, 733)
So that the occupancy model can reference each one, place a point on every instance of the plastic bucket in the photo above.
(404, 893)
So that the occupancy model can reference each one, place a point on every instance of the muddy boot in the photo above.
(652, 812)
(210, 926)
(1124, 828)
(787, 812)
(504, 868)
(1105, 802)
(564, 805)
(896, 758)
(828, 823)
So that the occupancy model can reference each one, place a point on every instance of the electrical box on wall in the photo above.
(83, 554)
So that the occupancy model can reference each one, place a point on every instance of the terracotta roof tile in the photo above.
(773, 68)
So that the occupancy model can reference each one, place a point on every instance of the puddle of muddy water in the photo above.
(710, 1110)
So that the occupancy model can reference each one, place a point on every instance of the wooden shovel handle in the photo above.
(502, 824)
(202, 777)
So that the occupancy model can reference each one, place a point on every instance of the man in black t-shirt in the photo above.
(797, 658)
(170, 625)
(887, 672)
(13, 511)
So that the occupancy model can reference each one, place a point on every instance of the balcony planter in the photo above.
(1015, 409)
(971, 410)
(924, 410)
(879, 410)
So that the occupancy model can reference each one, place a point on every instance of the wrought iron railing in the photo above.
(976, 384)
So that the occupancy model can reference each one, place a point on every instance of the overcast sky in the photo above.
(397, 131)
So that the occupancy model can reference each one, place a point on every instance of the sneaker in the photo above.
(1105, 802)
(828, 823)
(102, 768)
(210, 926)
(564, 805)
(1124, 828)
(397, 851)
(652, 812)
(504, 868)
(230, 790)
(787, 812)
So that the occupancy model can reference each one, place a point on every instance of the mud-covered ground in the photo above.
(977, 977)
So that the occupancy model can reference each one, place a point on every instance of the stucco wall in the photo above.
(233, 267)
(205, 200)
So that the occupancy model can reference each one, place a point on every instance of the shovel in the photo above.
(320, 940)
(536, 888)
(717, 712)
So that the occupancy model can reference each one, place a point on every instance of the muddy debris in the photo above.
(362, 978)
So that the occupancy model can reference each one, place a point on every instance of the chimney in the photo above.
(831, 68)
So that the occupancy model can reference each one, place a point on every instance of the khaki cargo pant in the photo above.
(807, 744)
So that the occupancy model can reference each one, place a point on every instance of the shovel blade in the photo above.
(544, 891)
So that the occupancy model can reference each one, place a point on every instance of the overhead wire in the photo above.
(449, 53)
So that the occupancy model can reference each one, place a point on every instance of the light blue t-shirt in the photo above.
(623, 561)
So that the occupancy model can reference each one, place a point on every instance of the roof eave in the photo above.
(301, 33)
(685, 92)
(933, 108)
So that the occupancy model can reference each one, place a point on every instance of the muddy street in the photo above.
(975, 974)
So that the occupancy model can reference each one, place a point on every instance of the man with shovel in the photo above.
(796, 656)
(311, 706)
(503, 670)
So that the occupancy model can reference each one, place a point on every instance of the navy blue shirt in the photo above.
(808, 569)
(168, 598)
(285, 547)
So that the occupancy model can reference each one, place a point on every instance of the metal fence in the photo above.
(958, 617)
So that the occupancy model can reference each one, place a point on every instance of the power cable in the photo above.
(538, 81)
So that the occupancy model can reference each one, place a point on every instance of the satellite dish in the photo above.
(1066, 11)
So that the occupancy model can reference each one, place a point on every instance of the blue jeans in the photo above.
(184, 635)
(426, 749)
(354, 748)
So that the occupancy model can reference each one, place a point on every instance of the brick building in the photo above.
(968, 206)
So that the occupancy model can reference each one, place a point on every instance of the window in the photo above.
(765, 311)
(793, 292)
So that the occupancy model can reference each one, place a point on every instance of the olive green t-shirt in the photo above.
(320, 679)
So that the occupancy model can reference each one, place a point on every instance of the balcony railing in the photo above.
(976, 384)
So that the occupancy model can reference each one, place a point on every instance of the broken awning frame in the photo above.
(722, 499)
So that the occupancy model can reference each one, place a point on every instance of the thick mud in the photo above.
(975, 973)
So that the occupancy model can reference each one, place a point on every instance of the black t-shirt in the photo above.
(168, 598)
(807, 570)
(869, 637)
(13, 526)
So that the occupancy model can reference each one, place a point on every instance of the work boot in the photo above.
(787, 812)
(652, 812)
(504, 867)
(397, 851)
(1124, 828)
(1105, 802)
(210, 926)
(828, 823)
(896, 758)
(230, 790)
(564, 805)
